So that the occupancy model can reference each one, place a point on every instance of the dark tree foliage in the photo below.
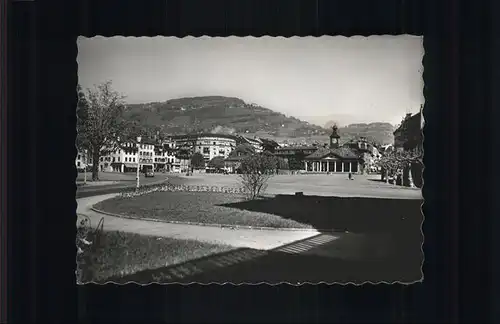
(197, 160)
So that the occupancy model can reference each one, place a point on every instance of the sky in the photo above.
(344, 79)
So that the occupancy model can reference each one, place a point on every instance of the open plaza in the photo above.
(358, 220)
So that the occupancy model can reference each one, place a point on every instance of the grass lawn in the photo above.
(119, 253)
(107, 176)
(314, 184)
(200, 207)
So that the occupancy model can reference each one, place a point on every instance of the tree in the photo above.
(412, 158)
(296, 162)
(269, 145)
(81, 111)
(395, 161)
(282, 163)
(242, 150)
(217, 162)
(256, 170)
(389, 163)
(99, 121)
(184, 154)
(367, 162)
(132, 129)
(197, 160)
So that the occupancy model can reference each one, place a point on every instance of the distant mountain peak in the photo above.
(230, 115)
(218, 114)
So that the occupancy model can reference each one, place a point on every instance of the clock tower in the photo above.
(334, 137)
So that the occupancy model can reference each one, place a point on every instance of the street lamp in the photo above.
(85, 167)
(138, 165)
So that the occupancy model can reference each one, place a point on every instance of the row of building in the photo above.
(162, 154)
(357, 156)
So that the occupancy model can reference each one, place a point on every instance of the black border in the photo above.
(41, 135)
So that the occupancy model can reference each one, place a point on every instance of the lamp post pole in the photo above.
(85, 168)
(138, 161)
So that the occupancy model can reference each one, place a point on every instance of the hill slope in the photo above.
(227, 115)
(380, 133)
(217, 114)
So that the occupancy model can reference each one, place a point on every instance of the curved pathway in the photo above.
(241, 238)
(88, 191)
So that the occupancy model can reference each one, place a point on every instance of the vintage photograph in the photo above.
(250, 160)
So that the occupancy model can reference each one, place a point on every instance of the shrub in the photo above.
(256, 170)
(168, 187)
(87, 240)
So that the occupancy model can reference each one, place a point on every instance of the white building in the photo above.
(83, 160)
(146, 155)
(255, 142)
(158, 156)
(126, 158)
(168, 155)
(209, 145)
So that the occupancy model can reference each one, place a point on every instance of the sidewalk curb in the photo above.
(123, 186)
(234, 227)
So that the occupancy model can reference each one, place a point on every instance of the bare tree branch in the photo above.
(99, 121)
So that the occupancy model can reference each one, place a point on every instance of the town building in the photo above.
(172, 162)
(269, 145)
(255, 142)
(209, 145)
(160, 161)
(294, 155)
(127, 156)
(83, 160)
(289, 151)
(146, 155)
(368, 153)
(408, 137)
(233, 163)
(333, 159)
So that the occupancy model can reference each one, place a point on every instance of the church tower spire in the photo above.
(334, 137)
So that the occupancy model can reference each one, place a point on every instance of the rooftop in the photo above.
(302, 147)
(342, 152)
(196, 136)
(412, 123)
(236, 158)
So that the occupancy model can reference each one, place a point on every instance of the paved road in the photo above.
(89, 191)
(367, 186)
(241, 238)
(107, 176)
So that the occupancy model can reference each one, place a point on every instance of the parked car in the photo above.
(149, 174)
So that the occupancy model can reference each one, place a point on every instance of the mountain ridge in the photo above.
(231, 115)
